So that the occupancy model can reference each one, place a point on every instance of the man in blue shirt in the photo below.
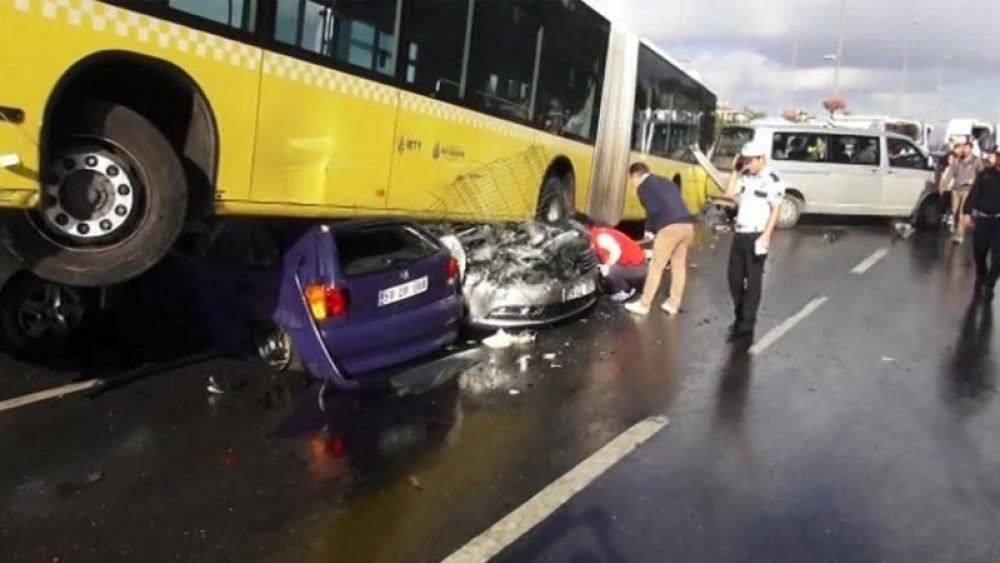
(672, 225)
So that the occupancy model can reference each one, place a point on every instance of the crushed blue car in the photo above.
(342, 301)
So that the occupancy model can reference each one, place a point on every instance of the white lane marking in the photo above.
(777, 332)
(47, 394)
(867, 263)
(539, 507)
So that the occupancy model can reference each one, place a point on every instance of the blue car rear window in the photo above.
(369, 250)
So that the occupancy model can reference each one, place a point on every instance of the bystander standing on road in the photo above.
(982, 212)
(945, 184)
(623, 261)
(758, 193)
(960, 176)
(673, 226)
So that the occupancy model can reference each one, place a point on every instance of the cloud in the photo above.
(743, 49)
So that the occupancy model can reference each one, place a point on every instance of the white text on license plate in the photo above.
(579, 290)
(402, 291)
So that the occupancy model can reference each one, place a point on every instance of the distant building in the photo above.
(727, 114)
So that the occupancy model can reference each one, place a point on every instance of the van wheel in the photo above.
(791, 212)
(554, 203)
(930, 216)
(114, 199)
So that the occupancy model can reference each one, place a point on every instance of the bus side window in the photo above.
(505, 39)
(433, 46)
(359, 33)
(234, 13)
(571, 69)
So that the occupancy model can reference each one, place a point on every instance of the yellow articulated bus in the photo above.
(125, 122)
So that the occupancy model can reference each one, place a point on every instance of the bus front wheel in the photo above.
(113, 200)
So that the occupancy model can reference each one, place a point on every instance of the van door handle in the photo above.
(876, 170)
(890, 172)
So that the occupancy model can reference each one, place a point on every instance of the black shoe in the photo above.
(739, 334)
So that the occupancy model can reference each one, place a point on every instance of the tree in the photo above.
(792, 115)
(833, 104)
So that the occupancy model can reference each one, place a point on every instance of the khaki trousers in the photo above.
(670, 246)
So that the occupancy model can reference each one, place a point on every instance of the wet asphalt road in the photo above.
(868, 432)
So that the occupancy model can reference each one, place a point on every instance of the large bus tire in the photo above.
(114, 199)
(554, 204)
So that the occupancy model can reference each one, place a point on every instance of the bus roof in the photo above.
(676, 64)
(604, 8)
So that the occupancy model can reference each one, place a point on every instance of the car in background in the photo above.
(343, 301)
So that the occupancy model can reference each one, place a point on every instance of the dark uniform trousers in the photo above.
(986, 250)
(746, 278)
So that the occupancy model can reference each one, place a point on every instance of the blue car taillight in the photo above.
(452, 270)
(326, 301)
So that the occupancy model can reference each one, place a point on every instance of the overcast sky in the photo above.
(743, 50)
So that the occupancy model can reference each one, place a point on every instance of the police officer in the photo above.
(982, 210)
(758, 193)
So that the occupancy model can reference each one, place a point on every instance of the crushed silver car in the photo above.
(517, 275)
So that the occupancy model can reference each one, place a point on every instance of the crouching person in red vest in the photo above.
(623, 261)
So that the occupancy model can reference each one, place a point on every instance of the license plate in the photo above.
(402, 291)
(579, 290)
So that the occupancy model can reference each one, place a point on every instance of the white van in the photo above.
(841, 171)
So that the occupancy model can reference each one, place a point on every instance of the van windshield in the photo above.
(728, 145)
(910, 130)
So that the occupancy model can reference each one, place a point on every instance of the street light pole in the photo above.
(680, 27)
(795, 63)
(840, 47)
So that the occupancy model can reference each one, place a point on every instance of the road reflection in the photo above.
(969, 373)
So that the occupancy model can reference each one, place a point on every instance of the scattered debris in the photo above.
(80, 483)
(903, 229)
(549, 356)
(217, 388)
(522, 362)
(504, 339)
(514, 392)
(415, 483)
(887, 359)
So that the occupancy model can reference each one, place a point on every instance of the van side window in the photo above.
(902, 154)
(855, 149)
(800, 147)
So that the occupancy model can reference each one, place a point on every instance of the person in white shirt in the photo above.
(758, 193)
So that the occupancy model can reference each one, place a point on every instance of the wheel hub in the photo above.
(88, 195)
(50, 310)
(787, 211)
(276, 350)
